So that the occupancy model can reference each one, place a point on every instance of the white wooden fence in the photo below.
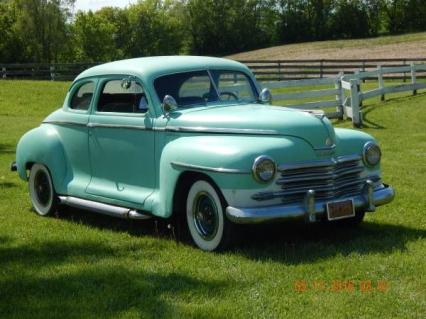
(347, 90)
(334, 93)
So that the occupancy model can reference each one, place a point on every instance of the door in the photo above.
(121, 144)
(72, 128)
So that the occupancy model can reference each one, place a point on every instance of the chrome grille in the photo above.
(332, 178)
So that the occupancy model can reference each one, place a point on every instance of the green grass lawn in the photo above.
(79, 264)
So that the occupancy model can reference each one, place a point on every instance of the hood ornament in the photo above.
(317, 113)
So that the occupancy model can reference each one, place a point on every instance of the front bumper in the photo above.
(311, 209)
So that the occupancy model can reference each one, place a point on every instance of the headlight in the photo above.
(371, 154)
(264, 169)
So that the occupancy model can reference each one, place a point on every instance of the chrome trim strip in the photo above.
(328, 162)
(132, 127)
(325, 148)
(330, 193)
(183, 129)
(255, 215)
(210, 169)
(64, 123)
(216, 130)
(329, 175)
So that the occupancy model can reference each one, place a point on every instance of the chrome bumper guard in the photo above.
(311, 209)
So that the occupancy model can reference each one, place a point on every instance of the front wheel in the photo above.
(207, 223)
(42, 192)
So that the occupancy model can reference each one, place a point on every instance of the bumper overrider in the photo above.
(311, 209)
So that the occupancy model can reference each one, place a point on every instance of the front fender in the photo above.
(42, 145)
(227, 160)
(350, 141)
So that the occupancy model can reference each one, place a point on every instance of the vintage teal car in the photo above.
(195, 138)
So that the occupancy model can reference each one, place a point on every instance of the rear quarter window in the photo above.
(82, 97)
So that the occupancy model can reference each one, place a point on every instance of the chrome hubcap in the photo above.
(205, 216)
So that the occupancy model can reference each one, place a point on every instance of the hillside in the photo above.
(402, 46)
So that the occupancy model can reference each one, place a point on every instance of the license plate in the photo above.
(340, 209)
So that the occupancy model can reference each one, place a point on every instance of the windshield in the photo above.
(202, 87)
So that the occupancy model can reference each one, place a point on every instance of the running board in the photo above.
(102, 208)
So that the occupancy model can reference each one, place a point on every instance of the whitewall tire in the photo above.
(207, 224)
(42, 192)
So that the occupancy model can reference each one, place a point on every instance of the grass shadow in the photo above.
(7, 149)
(7, 185)
(367, 109)
(368, 123)
(291, 242)
(51, 253)
(96, 289)
(297, 243)
(154, 227)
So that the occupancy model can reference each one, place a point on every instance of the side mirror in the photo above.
(169, 104)
(265, 96)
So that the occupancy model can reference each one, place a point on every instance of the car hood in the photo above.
(256, 119)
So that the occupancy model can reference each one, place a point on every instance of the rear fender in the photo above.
(43, 145)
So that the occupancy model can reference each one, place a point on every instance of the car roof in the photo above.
(149, 68)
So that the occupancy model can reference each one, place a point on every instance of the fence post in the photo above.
(363, 70)
(340, 95)
(279, 71)
(381, 83)
(404, 63)
(358, 75)
(356, 113)
(413, 77)
(3, 72)
(52, 73)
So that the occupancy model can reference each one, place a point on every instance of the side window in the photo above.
(82, 97)
(123, 96)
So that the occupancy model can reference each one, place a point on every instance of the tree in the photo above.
(157, 28)
(11, 45)
(350, 19)
(121, 37)
(42, 27)
(94, 37)
(294, 24)
(220, 27)
(405, 15)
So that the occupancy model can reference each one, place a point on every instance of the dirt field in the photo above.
(402, 46)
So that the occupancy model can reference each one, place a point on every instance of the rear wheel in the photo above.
(205, 216)
(42, 193)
